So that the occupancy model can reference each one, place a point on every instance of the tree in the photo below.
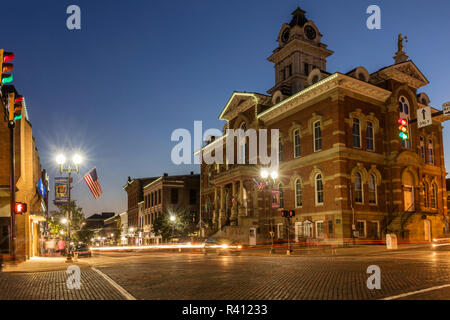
(84, 235)
(55, 220)
(77, 214)
(184, 225)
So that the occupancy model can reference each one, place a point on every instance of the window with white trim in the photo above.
(358, 188)
(372, 189)
(434, 196)
(430, 151)
(356, 132)
(319, 189)
(317, 136)
(361, 227)
(319, 230)
(426, 195)
(298, 193)
(422, 149)
(370, 136)
(297, 150)
(307, 229)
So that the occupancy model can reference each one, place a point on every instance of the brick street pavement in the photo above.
(148, 276)
(184, 276)
(52, 286)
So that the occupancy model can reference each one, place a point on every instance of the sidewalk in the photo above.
(42, 264)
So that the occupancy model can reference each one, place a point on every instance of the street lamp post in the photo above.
(60, 160)
(172, 219)
(273, 175)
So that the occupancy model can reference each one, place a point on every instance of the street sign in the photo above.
(424, 117)
(446, 108)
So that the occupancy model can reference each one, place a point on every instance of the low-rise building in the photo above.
(166, 195)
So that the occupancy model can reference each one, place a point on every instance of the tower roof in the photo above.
(298, 18)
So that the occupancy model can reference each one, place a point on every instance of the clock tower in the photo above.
(300, 59)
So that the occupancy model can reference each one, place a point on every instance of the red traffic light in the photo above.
(20, 208)
(288, 213)
(402, 122)
(8, 56)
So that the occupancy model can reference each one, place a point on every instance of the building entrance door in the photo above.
(408, 193)
(252, 237)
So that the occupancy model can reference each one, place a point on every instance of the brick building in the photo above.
(343, 167)
(166, 195)
(135, 194)
(29, 226)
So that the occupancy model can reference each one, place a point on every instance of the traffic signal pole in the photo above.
(11, 126)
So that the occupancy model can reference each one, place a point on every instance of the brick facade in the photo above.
(347, 124)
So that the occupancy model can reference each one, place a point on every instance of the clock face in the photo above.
(310, 32)
(285, 35)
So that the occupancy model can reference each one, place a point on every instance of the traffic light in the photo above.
(18, 106)
(11, 106)
(20, 207)
(288, 213)
(403, 128)
(6, 66)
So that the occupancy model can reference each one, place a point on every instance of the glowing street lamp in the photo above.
(60, 160)
(64, 221)
(264, 173)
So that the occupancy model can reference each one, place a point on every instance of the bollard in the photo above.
(75, 257)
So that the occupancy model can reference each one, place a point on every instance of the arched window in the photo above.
(422, 148)
(297, 150)
(356, 131)
(298, 193)
(426, 195)
(317, 136)
(358, 188)
(434, 196)
(370, 136)
(319, 189)
(430, 151)
(280, 189)
(403, 106)
(372, 189)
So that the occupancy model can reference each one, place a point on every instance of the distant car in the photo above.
(222, 246)
(83, 250)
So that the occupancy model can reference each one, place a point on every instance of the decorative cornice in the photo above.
(335, 81)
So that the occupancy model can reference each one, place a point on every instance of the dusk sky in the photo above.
(137, 70)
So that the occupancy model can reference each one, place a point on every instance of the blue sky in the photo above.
(116, 89)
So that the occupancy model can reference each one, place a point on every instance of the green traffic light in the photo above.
(17, 117)
(7, 78)
(403, 135)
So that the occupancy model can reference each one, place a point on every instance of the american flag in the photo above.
(92, 182)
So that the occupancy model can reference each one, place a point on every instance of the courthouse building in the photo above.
(343, 167)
